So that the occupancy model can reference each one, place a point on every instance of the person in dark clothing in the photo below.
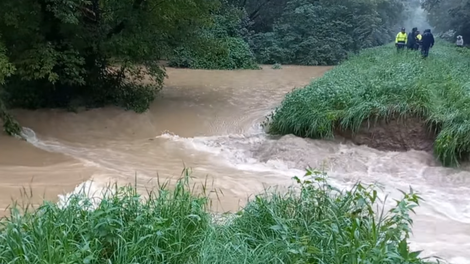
(418, 39)
(427, 42)
(411, 39)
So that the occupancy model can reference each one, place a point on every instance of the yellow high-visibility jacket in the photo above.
(419, 37)
(401, 37)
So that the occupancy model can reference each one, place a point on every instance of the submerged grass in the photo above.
(380, 84)
(315, 223)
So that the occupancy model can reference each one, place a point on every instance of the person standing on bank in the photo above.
(401, 39)
(411, 39)
(459, 41)
(427, 42)
(418, 40)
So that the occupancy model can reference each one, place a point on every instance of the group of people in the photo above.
(415, 41)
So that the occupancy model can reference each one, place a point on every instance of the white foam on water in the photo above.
(235, 157)
(92, 190)
(459, 260)
(231, 150)
(438, 201)
(89, 190)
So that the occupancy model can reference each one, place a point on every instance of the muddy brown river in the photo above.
(210, 121)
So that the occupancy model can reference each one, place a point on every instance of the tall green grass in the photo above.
(312, 223)
(380, 83)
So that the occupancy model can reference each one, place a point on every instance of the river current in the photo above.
(210, 121)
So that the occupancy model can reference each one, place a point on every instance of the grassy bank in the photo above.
(379, 83)
(316, 225)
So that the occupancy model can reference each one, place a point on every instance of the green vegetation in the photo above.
(92, 53)
(314, 224)
(323, 32)
(219, 45)
(450, 17)
(276, 66)
(56, 53)
(306, 32)
(379, 83)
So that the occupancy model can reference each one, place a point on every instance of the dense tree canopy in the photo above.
(262, 13)
(449, 15)
(309, 32)
(319, 32)
(61, 50)
(71, 53)
(219, 45)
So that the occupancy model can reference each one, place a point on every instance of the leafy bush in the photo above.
(59, 53)
(319, 224)
(220, 46)
(10, 126)
(164, 228)
(450, 18)
(228, 53)
(379, 83)
(324, 32)
(109, 89)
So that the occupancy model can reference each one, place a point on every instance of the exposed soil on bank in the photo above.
(392, 135)
(209, 122)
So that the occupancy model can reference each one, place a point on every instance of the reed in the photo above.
(313, 223)
(378, 84)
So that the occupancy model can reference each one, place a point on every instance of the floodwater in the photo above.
(210, 121)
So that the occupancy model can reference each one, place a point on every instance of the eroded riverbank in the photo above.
(210, 121)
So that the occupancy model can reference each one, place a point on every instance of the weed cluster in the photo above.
(276, 66)
(314, 223)
(379, 83)
(229, 53)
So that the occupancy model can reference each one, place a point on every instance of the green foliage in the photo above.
(379, 83)
(61, 50)
(324, 32)
(318, 225)
(276, 66)
(10, 126)
(449, 15)
(306, 32)
(228, 53)
(220, 45)
(261, 13)
(326, 225)
(164, 228)
(6, 69)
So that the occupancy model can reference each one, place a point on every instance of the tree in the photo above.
(11, 127)
(262, 13)
(449, 15)
(319, 32)
(221, 45)
(93, 52)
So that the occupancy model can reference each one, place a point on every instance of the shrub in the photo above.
(378, 84)
(220, 46)
(227, 53)
(59, 53)
(111, 89)
(325, 32)
(123, 228)
(315, 224)
(10, 125)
